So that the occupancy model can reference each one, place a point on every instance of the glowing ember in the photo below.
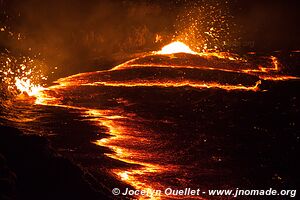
(176, 47)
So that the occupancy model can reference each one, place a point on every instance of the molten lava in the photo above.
(223, 71)
(176, 47)
(24, 85)
(21, 75)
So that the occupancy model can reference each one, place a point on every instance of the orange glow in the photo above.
(21, 75)
(180, 47)
(119, 131)
(176, 47)
(24, 85)
(278, 77)
(179, 84)
(122, 129)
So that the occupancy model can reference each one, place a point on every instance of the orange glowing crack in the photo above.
(143, 83)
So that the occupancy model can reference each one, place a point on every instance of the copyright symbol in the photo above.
(116, 191)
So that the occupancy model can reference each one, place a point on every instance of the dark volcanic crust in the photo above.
(31, 169)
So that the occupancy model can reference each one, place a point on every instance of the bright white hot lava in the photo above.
(176, 47)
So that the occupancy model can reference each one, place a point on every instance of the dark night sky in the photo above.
(271, 24)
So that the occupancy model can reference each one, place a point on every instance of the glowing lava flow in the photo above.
(263, 73)
(170, 51)
(180, 47)
(123, 131)
(121, 128)
(175, 84)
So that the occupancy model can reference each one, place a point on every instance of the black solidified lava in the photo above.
(31, 169)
